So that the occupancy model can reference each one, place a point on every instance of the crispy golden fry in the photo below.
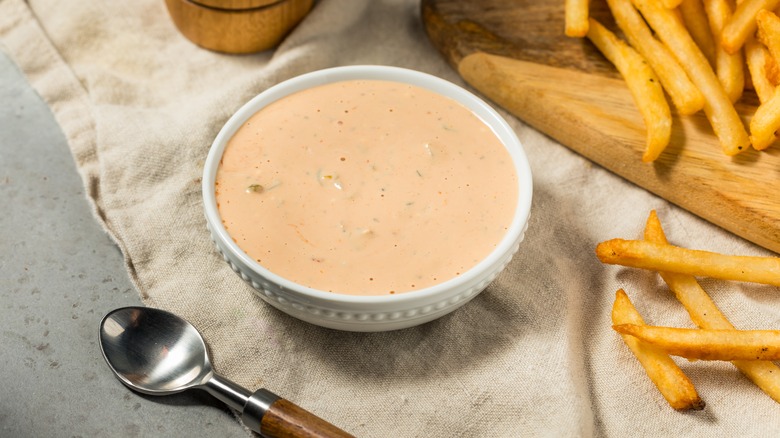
(769, 35)
(729, 67)
(705, 314)
(669, 258)
(759, 63)
(576, 17)
(721, 113)
(766, 122)
(772, 69)
(674, 385)
(685, 96)
(671, 4)
(768, 24)
(644, 85)
(707, 344)
(699, 305)
(742, 23)
(698, 26)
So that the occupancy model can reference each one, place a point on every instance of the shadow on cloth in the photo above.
(476, 330)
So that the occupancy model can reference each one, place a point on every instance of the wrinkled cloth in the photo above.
(533, 355)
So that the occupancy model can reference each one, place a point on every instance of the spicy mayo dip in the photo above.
(366, 187)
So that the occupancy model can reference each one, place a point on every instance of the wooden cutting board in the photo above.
(515, 54)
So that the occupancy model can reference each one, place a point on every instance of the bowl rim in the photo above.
(483, 110)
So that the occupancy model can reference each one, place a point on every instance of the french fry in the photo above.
(768, 24)
(674, 385)
(644, 85)
(742, 23)
(685, 96)
(698, 26)
(668, 258)
(772, 69)
(705, 314)
(766, 122)
(721, 113)
(729, 67)
(758, 62)
(576, 17)
(707, 344)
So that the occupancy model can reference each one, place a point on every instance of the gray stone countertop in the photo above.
(59, 275)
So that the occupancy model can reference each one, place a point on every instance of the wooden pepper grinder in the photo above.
(237, 26)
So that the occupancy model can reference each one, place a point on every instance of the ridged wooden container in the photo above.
(237, 26)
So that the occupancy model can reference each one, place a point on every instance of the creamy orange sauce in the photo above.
(366, 188)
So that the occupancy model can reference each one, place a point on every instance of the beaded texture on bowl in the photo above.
(276, 296)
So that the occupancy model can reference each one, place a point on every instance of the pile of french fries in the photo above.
(696, 52)
(751, 351)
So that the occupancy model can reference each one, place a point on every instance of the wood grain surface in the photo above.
(515, 54)
(285, 419)
(237, 26)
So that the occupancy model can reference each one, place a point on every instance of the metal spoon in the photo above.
(158, 353)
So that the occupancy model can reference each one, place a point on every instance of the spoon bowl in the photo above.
(158, 353)
(153, 351)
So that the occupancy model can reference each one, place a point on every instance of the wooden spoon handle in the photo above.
(285, 419)
(275, 417)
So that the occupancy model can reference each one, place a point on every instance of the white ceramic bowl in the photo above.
(369, 313)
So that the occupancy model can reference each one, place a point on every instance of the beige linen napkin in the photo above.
(534, 355)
